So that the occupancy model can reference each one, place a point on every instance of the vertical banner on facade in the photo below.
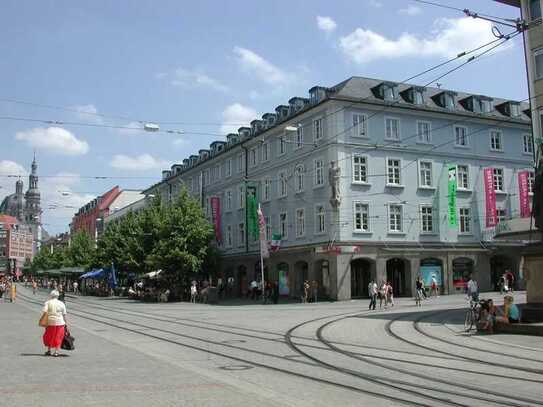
(252, 215)
(524, 194)
(453, 222)
(216, 216)
(490, 198)
(264, 251)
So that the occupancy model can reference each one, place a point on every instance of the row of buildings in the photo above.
(356, 180)
(20, 224)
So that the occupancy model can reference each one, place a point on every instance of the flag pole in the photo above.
(262, 273)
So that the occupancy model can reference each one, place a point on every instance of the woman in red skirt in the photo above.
(56, 321)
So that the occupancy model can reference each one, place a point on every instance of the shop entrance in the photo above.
(360, 277)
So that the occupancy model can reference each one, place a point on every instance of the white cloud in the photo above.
(88, 113)
(141, 162)
(55, 139)
(132, 129)
(410, 10)
(180, 142)
(7, 184)
(254, 64)
(235, 116)
(326, 24)
(189, 79)
(449, 37)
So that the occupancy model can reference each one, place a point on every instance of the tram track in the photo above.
(372, 361)
(381, 395)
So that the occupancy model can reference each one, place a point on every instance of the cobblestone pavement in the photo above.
(325, 354)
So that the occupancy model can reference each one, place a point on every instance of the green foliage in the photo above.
(174, 238)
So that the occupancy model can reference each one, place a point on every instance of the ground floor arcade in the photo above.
(345, 272)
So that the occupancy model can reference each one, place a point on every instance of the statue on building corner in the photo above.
(334, 174)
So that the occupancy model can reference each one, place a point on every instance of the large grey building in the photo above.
(355, 179)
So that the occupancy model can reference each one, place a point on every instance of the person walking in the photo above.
(75, 286)
(55, 312)
(419, 286)
(34, 287)
(382, 295)
(433, 285)
(13, 289)
(372, 292)
(305, 296)
(390, 294)
(314, 290)
(193, 292)
(473, 289)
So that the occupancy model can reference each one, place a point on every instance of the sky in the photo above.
(95, 71)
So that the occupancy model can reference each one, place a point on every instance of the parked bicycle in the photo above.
(473, 315)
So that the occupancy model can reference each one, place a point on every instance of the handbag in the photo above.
(43, 320)
(68, 341)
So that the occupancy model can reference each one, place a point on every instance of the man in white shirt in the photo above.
(372, 292)
(473, 289)
(254, 287)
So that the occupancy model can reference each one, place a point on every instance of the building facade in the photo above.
(26, 208)
(16, 245)
(355, 179)
(91, 217)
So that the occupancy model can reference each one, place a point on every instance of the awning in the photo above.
(94, 274)
(152, 274)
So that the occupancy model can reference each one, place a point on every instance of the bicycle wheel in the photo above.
(468, 321)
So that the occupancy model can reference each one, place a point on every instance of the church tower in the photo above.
(19, 208)
(32, 197)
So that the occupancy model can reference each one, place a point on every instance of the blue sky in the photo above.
(205, 65)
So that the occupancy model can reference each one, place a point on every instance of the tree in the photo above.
(81, 252)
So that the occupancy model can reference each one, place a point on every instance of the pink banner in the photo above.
(524, 193)
(216, 216)
(490, 198)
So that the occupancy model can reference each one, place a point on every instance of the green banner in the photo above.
(453, 221)
(252, 215)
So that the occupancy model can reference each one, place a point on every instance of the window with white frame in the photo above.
(531, 181)
(282, 146)
(538, 59)
(299, 136)
(528, 145)
(241, 162)
(265, 151)
(283, 225)
(299, 178)
(395, 215)
(465, 220)
(228, 169)
(393, 171)
(217, 173)
(535, 9)
(498, 180)
(361, 217)
(424, 132)
(266, 195)
(319, 172)
(360, 125)
(425, 174)
(228, 195)
(207, 207)
(426, 219)
(228, 238)
(360, 169)
(300, 222)
(461, 136)
(207, 178)
(320, 219)
(392, 128)
(317, 129)
(283, 184)
(269, 227)
(253, 157)
(190, 185)
(501, 215)
(241, 197)
(496, 140)
(241, 234)
(462, 177)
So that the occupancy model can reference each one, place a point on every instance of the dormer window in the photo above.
(418, 97)
(390, 92)
(514, 109)
(486, 105)
(448, 101)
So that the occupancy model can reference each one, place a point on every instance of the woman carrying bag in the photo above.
(54, 320)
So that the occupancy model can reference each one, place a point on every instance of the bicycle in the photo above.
(473, 315)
